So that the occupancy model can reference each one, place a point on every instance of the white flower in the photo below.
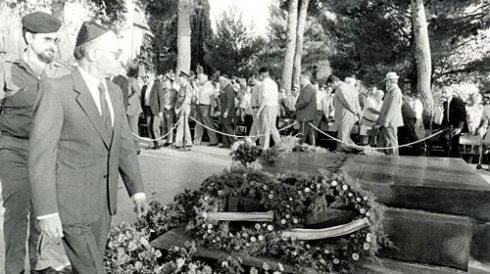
(210, 226)
(295, 220)
(290, 198)
(180, 263)
(261, 238)
(283, 221)
(209, 231)
(253, 239)
(245, 235)
(350, 194)
(369, 237)
(358, 199)
(138, 265)
(334, 183)
(224, 264)
(270, 227)
(235, 146)
(345, 187)
(307, 189)
(336, 261)
(355, 256)
(362, 210)
(271, 196)
(365, 198)
(366, 246)
(326, 251)
(287, 216)
(257, 226)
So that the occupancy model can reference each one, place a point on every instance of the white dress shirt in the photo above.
(93, 86)
(269, 92)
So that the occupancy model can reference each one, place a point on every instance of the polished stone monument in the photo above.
(438, 208)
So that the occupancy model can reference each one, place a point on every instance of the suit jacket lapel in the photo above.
(86, 102)
(117, 111)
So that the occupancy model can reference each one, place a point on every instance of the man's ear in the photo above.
(91, 55)
(29, 37)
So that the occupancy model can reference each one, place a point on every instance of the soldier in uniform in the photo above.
(19, 81)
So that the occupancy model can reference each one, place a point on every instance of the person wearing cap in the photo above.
(390, 115)
(19, 80)
(347, 109)
(306, 108)
(79, 145)
(183, 110)
(168, 98)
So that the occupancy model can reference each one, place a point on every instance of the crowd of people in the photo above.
(224, 108)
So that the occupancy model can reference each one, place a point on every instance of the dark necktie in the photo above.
(106, 115)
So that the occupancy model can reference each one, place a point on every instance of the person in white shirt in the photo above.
(323, 105)
(254, 104)
(268, 109)
(205, 93)
(418, 108)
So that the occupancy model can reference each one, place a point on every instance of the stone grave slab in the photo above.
(423, 237)
(441, 185)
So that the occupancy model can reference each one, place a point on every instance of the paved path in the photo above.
(166, 172)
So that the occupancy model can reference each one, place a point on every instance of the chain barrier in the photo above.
(374, 148)
(159, 138)
(237, 136)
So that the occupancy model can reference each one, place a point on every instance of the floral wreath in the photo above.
(277, 229)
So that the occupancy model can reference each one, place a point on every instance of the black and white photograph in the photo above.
(244, 137)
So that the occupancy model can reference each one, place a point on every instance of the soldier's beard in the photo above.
(46, 56)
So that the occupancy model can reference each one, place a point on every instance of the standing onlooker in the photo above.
(168, 102)
(370, 114)
(155, 113)
(204, 97)
(134, 98)
(19, 84)
(323, 103)
(246, 107)
(454, 118)
(306, 107)
(254, 104)
(418, 109)
(347, 108)
(121, 80)
(407, 133)
(183, 110)
(268, 109)
(227, 110)
(134, 102)
(390, 115)
(146, 89)
(477, 125)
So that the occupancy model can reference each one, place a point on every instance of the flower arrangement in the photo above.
(293, 200)
(245, 151)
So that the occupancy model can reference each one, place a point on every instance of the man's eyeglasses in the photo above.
(116, 53)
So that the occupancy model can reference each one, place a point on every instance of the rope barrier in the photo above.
(375, 148)
(159, 138)
(237, 136)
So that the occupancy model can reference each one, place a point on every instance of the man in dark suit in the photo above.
(155, 111)
(306, 107)
(454, 118)
(122, 82)
(80, 142)
(227, 109)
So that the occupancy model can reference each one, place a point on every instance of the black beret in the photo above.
(89, 31)
(40, 22)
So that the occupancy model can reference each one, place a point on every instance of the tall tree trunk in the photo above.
(287, 69)
(65, 47)
(303, 10)
(422, 54)
(184, 36)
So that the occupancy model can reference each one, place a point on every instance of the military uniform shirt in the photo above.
(18, 92)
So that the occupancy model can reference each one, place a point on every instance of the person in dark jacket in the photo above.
(227, 110)
(453, 120)
(306, 107)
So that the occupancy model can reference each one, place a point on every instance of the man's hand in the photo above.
(140, 205)
(51, 226)
(160, 114)
(457, 131)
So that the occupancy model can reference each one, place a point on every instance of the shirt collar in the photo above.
(90, 80)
